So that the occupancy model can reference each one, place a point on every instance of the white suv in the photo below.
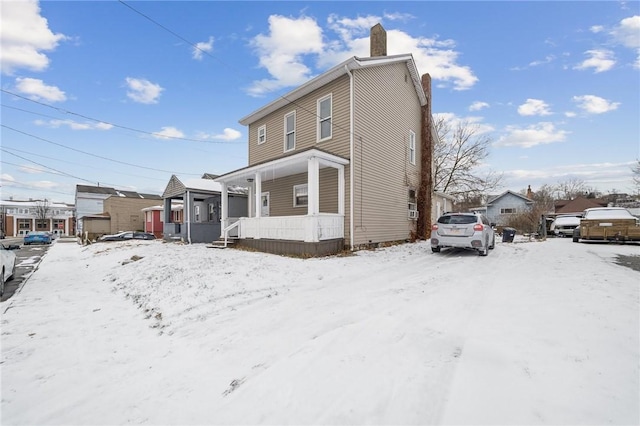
(463, 230)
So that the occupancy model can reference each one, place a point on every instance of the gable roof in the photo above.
(339, 70)
(577, 205)
(497, 197)
(177, 187)
(88, 189)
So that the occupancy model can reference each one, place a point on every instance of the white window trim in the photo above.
(320, 120)
(412, 147)
(196, 211)
(285, 131)
(262, 129)
(304, 185)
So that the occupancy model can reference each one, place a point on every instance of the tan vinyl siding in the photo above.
(386, 109)
(126, 213)
(306, 125)
(281, 193)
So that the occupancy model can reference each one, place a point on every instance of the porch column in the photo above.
(258, 195)
(313, 186)
(224, 205)
(341, 190)
(167, 210)
(250, 199)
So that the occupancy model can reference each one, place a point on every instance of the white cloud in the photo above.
(32, 170)
(281, 52)
(595, 104)
(168, 133)
(476, 122)
(74, 125)
(24, 36)
(431, 55)
(628, 32)
(570, 114)
(477, 106)
(596, 29)
(202, 47)
(536, 134)
(228, 135)
(600, 60)
(534, 107)
(143, 91)
(7, 179)
(36, 89)
(44, 184)
(291, 41)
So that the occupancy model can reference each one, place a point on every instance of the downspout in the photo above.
(351, 149)
(188, 209)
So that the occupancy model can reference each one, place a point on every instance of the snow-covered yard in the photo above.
(155, 333)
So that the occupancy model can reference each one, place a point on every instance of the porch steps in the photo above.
(219, 244)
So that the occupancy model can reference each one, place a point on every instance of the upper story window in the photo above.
(262, 134)
(412, 147)
(300, 195)
(290, 131)
(324, 118)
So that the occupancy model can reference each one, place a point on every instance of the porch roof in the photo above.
(283, 166)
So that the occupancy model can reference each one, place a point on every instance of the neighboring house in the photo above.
(154, 218)
(442, 203)
(336, 162)
(577, 205)
(123, 208)
(191, 209)
(509, 203)
(21, 217)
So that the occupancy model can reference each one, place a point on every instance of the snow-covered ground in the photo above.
(156, 333)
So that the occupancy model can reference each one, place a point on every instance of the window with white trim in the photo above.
(508, 211)
(412, 147)
(300, 195)
(212, 212)
(290, 131)
(324, 118)
(262, 134)
(196, 211)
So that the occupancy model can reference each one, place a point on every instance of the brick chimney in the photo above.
(378, 40)
(425, 190)
(529, 193)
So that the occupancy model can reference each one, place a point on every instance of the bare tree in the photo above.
(43, 208)
(636, 175)
(457, 157)
(571, 188)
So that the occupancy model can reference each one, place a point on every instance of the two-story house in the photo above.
(19, 217)
(338, 162)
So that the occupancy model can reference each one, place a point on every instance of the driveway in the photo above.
(27, 260)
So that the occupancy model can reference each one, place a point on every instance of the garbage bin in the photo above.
(508, 234)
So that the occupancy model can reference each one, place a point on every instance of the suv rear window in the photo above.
(460, 219)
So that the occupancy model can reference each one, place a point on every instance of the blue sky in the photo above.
(116, 94)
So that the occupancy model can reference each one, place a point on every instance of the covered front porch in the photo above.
(301, 219)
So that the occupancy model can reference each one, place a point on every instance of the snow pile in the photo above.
(156, 333)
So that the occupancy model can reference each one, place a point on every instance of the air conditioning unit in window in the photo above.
(413, 214)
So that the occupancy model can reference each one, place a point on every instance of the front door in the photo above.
(264, 204)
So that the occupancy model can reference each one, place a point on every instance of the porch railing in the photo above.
(308, 228)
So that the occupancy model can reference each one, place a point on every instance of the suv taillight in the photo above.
(478, 227)
(434, 227)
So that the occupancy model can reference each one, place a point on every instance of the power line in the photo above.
(73, 163)
(195, 46)
(97, 156)
(64, 111)
(46, 167)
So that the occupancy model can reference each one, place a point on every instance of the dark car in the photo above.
(128, 235)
